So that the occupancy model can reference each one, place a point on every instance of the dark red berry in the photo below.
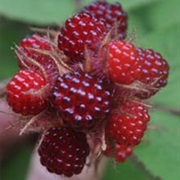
(79, 31)
(109, 14)
(128, 126)
(81, 99)
(154, 72)
(122, 62)
(63, 151)
(27, 93)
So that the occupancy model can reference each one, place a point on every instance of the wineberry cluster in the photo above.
(90, 81)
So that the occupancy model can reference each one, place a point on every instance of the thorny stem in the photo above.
(142, 103)
(37, 64)
(107, 37)
(132, 36)
(11, 126)
(52, 33)
(29, 123)
(61, 66)
(133, 87)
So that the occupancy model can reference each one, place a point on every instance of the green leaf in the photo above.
(126, 4)
(50, 12)
(148, 14)
(158, 16)
(166, 42)
(16, 167)
(126, 170)
(153, 16)
(10, 33)
(37, 11)
(160, 151)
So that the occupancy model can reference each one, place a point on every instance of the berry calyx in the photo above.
(29, 47)
(82, 100)
(122, 62)
(109, 14)
(63, 151)
(35, 41)
(35, 53)
(128, 126)
(27, 93)
(79, 31)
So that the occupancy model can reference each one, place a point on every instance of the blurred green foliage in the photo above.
(17, 167)
(157, 24)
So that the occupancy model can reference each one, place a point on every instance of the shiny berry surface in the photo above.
(26, 93)
(80, 31)
(122, 62)
(109, 14)
(128, 126)
(154, 72)
(81, 99)
(63, 151)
